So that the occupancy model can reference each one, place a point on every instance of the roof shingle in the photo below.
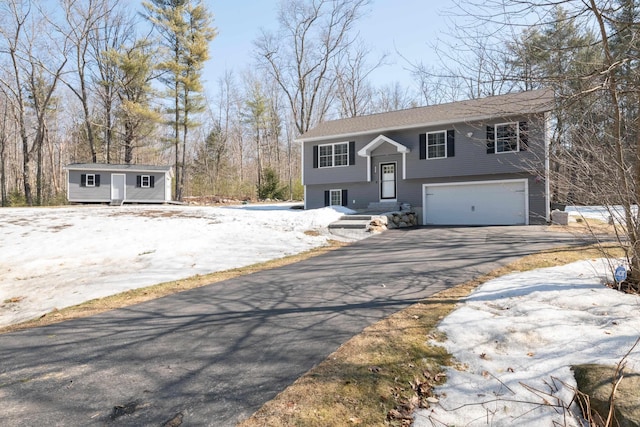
(521, 103)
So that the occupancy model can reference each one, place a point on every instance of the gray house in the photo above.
(117, 184)
(476, 162)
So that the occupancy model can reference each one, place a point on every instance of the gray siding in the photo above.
(138, 194)
(470, 163)
(470, 158)
(410, 191)
(77, 193)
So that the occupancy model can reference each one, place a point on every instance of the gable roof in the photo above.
(110, 167)
(522, 103)
(376, 142)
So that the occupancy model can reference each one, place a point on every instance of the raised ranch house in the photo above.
(118, 184)
(476, 162)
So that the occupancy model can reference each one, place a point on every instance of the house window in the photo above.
(436, 145)
(335, 197)
(507, 137)
(330, 155)
(91, 180)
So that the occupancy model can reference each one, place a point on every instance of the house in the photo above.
(476, 162)
(117, 184)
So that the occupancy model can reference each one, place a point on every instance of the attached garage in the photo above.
(503, 202)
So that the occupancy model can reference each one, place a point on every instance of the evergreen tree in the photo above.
(185, 27)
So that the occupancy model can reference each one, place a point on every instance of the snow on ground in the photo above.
(516, 337)
(58, 257)
(602, 213)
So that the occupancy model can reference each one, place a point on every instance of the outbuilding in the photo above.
(118, 184)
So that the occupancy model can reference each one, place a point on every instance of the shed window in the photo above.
(145, 181)
(89, 180)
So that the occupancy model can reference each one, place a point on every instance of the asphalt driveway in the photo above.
(214, 355)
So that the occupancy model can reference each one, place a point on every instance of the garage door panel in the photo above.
(487, 203)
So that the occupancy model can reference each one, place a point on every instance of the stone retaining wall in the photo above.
(391, 220)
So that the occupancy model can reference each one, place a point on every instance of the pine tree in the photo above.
(185, 27)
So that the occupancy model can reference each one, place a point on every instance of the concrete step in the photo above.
(384, 206)
(350, 224)
(357, 217)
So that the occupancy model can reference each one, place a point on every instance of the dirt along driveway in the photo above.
(214, 355)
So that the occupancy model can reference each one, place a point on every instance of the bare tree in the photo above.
(599, 98)
(83, 18)
(353, 90)
(36, 66)
(300, 56)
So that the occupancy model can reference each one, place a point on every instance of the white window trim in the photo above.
(333, 155)
(339, 190)
(142, 179)
(445, 144)
(495, 137)
(93, 180)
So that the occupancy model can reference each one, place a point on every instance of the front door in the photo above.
(388, 181)
(117, 186)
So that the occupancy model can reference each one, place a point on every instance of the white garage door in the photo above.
(476, 203)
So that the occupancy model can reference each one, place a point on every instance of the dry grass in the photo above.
(139, 295)
(380, 376)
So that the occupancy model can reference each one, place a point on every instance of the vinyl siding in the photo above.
(470, 159)
(410, 191)
(77, 193)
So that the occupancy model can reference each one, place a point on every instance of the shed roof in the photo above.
(522, 103)
(109, 167)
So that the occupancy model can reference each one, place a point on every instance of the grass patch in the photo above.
(380, 376)
(135, 296)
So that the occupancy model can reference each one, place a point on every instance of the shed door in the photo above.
(481, 203)
(117, 186)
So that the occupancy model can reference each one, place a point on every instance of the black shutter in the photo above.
(138, 181)
(152, 181)
(352, 153)
(524, 136)
(315, 156)
(491, 141)
(83, 180)
(451, 143)
(97, 180)
(423, 146)
(327, 198)
(345, 198)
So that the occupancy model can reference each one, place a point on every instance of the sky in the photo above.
(394, 27)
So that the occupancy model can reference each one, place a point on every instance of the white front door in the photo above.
(387, 181)
(117, 186)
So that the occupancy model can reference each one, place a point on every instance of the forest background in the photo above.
(117, 81)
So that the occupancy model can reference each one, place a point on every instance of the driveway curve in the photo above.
(214, 355)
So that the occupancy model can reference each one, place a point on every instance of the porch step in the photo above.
(384, 206)
(348, 221)
(116, 202)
